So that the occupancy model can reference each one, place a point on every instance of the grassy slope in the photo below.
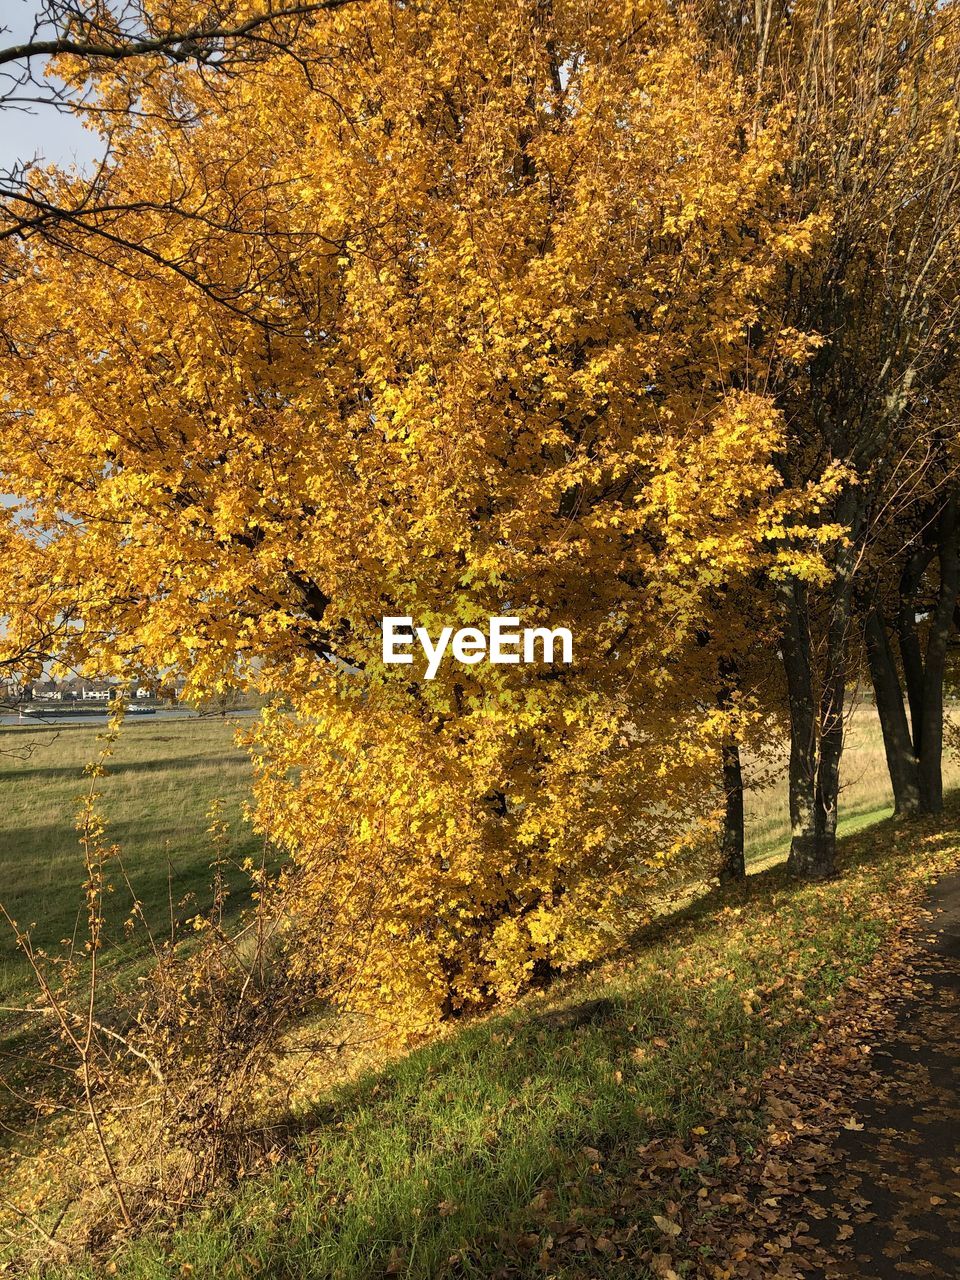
(485, 1150)
(440, 1157)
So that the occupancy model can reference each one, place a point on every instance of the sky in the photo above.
(42, 132)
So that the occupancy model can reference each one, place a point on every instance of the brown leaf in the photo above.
(666, 1226)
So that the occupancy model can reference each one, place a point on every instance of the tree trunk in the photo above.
(934, 666)
(911, 655)
(897, 743)
(732, 861)
(831, 727)
(733, 864)
(816, 730)
(797, 664)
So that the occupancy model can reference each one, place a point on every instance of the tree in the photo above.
(737, 636)
(84, 41)
(38, 612)
(913, 594)
(872, 94)
(498, 271)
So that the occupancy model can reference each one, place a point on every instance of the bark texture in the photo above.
(816, 700)
(934, 667)
(915, 753)
(897, 741)
(732, 862)
(808, 856)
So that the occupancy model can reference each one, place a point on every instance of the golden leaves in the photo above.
(438, 341)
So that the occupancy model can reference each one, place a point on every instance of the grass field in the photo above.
(162, 780)
(473, 1149)
(165, 775)
(511, 1148)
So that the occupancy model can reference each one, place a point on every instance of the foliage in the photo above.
(467, 342)
(635, 318)
(873, 91)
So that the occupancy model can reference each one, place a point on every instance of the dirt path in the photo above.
(892, 1199)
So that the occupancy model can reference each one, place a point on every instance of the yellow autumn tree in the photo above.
(449, 316)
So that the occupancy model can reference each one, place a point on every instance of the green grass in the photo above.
(488, 1149)
(162, 780)
(865, 797)
(476, 1151)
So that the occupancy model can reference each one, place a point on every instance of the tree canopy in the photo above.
(585, 313)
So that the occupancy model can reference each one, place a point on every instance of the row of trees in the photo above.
(875, 148)
(636, 318)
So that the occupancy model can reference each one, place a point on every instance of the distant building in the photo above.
(84, 689)
(95, 691)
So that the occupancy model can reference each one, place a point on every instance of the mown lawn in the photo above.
(509, 1148)
(162, 780)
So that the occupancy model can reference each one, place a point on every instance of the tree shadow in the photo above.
(168, 764)
(439, 1205)
(391, 1162)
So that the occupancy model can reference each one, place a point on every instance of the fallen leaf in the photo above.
(666, 1226)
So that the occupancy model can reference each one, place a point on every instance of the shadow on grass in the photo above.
(29, 1053)
(863, 847)
(430, 1167)
(58, 907)
(168, 764)
(468, 1157)
(52, 896)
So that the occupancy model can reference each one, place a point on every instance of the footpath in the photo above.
(857, 1173)
(896, 1180)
